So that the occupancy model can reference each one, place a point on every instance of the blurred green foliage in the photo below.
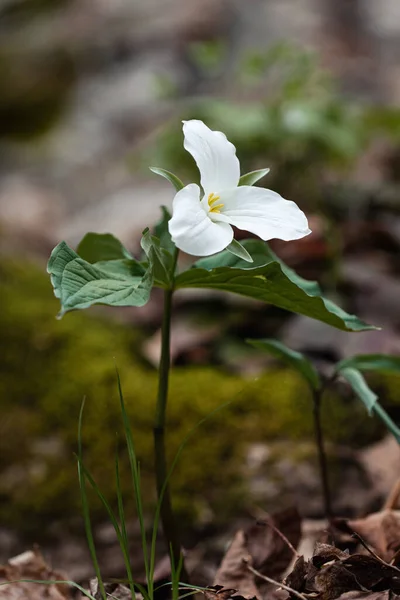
(35, 90)
(47, 367)
(37, 72)
(285, 113)
(17, 9)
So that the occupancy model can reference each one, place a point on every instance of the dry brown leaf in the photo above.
(297, 578)
(233, 572)
(332, 573)
(270, 552)
(385, 595)
(116, 590)
(381, 531)
(324, 553)
(31, 565)
(218, 592)
(333, 580)
(267, 546)
(369, 571)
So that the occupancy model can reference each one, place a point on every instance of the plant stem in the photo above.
(166, 513)
(323, 467)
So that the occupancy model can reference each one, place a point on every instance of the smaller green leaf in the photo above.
(162, 232)
(295, 359)
(369, 399)
(237, 249)
(96, 247)
(79, 284)
(360, 387)
(160, 260)
(252, 177)
(176, 182)
(384, 363)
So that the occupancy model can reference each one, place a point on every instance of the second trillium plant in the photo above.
(103, 271)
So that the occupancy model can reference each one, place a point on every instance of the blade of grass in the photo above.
(121, 511)
(175, 574)
(190, 593)
(120, 536)
(85, 508)
(183, 586)
(136, 480)
(124, 535)
(52, 582)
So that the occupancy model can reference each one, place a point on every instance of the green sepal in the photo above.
(176, 182)
(252, 177)
(237, 249)
(295, 359)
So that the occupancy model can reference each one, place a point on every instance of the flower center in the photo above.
(212, 203)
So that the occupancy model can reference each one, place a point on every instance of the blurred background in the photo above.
(93, 93)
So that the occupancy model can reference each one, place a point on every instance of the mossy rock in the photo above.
(48, 366)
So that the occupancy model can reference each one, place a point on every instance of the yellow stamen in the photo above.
(212, 199)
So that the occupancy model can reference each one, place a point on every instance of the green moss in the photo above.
(48, 366)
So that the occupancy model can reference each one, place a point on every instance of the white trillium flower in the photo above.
(203, 225)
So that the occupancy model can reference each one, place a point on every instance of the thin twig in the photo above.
(395, 557)
(283, 537)
(378, 558)
(274, 582)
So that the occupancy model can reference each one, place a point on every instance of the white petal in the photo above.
(264, 213)
(215, 156)
(191, 228)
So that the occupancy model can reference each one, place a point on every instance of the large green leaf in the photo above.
(79, 284)
(262, 255)
(369, 398)
(95, 247)
(268, 281)
(126, 267)
(384, 363)
(252, 177)
(295, 359)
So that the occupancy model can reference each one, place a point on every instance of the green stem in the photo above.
(323, 466)
(166, 513)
